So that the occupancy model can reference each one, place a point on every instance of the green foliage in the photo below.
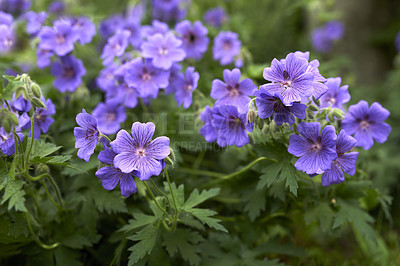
(147, 239)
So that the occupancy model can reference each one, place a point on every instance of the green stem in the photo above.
(159, 191)
(57, 190)
(32, 139)
(35, 238)
(200, 172)
(154, 198)
(283, 133)
(50, 198)
(118, 251)
(104, 136)
(172, 193)
(244, 169)
(35, 178)
(145, 110)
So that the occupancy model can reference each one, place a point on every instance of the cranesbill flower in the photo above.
(110, 25)
(110, 176)
(106, 79)
(20, 104)
(233, 91)
(175, 78)
(43, 56)
(215, 17)
(268, 104)
(115, 46)
(84, 28)
(323, 37)
(184, 92)
(337, 95)
(126, 95)
(138, 152)
(316, 149)
(147, 79)
(7, 38)
(289, 78)
(208, 131)
(345, 161)
(155, 27)
(366, 124)
(109, 117)
(68, 73)
(226, 46)
(163, 49)
(176, 13)
(231, 125)
(60, 38)
(7, 141)
(15, 6)
(42, 119)
(5, 18)
(87, 135)
(56, 7)
(194, 37)
(34, 21)
(133, 26)
(166, 5)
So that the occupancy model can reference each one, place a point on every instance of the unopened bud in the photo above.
(21, 91)
(331, 118)
(313, 107)
(251, 116)
(36, 90)
(42, 169)
(338, 113)
(13, 119)
(171, 154)
(37, 103)
(6, 125)
(168, 161)
(317, 102)
(260, 123)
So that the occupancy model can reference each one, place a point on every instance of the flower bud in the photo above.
(338, 113)
(21, 91)
(331, 118)
(168, 161)
(37, 103)
(6, 125)
(317, 102)
(251, 116)
(13, 119)
(313, 107)
(36, 90)
(172, 154)
(42, 169)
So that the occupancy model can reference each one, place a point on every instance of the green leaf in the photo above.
(204, 216)
(147, 239)
(18, 225)
(67, 257)
(178, 192)
(7, 92)
(359, 218)
(196, 198)
(255, 203)
(139, 220)
(55, 160)
(108, 201)
(271, 174)
(289, 173)
(322, 213)
(14, 194)
(185, 241)
(41, 149)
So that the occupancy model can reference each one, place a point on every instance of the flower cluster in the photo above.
(297, 92)
(324, 36)
(127, 156)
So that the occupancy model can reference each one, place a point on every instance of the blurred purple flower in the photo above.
(20, 104)
(316, 149)
(56, 7)
(34, 21)
(15, 6)
(155, 27)
(233, 91)
(115, 46)
(226, 46)
(109, 117)
(337, 95)
(323, 37)
(87, 135)
(5, 18)
(106, 79)
(110, 25)
(208, 130)
(7, 38)
(194, 38)
(42, 119)
(184, 92)
(366, 124)
(138, 152)
(43, 56)
(84, 28)
(68, 73)
(215, 17)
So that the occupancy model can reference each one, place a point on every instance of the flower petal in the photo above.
(142, 133)
(332, 176)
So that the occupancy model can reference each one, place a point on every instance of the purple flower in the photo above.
(7, 141)
(194, 37)
(289, 78)
(268, 104)
(145, 77)
(163, 49)
(231, 126)
(316, 149)
(84, 28)
(126, 95)
(115, 46)
(87, 135)
(166, 5)
(60, 38)
(323, 37)
(139, 152)
(215, 17)
(175, 78)
(107, 80)
(15, 6)
(34, 21)
(21, 104)
(42, 119)
(183, 94)
(56, 7)
(110, 176)
(397, 42)
(208, 131)
(7, 38)
(226, 46)
(109, 117)
(366, 124)
(68, 73)
(133, 26)
(110, 25)
(234, 91)
(337, 95)
(156, 27)
(169, 10)
(345, 162)
(6, 18)
(43, 56)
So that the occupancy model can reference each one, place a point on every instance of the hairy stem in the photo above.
(35, 238)
(154, 199)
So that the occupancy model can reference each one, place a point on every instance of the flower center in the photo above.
(233, 91)
(116, 46)
(316, 147)
(227, 45)
(191, 37)
(188, 87)
(163, 51)
(364, 125)
(8, 42)
(141, 152)
(60, 39)
(69, 72)
(90, 133)
(111, 116)
(234, 122)
(146, 76)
